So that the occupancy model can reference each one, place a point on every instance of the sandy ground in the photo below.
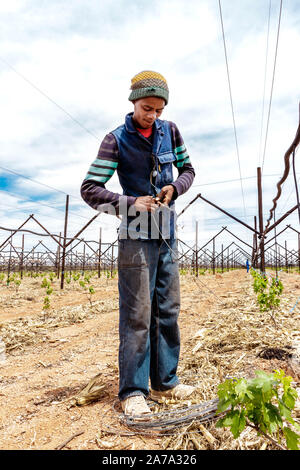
(42, 371)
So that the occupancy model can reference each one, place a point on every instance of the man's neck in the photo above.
(145, 131)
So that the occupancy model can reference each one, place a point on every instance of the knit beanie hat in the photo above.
(149, 83)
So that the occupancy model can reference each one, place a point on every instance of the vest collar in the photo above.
(131, 128)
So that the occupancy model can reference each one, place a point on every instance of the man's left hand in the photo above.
(165, 195)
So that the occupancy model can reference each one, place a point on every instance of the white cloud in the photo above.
(82, 56)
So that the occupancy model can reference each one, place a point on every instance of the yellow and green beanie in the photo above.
(149, 83)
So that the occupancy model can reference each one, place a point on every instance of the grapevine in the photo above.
(264, 403)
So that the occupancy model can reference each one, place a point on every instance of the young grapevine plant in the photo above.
(47, 285)
(90, 289)
(268, 292)
(264, 403)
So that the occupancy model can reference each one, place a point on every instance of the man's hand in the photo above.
(165, 195)
(145, 203)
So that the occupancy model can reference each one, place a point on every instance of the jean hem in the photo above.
(132, 394)
(165, 389)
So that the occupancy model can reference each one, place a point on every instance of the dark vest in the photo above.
(138, 157)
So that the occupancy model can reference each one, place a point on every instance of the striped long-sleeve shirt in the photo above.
(93, 189)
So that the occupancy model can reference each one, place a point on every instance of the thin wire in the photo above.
(61, 109)
(38, 182)
(265, 79)
(232, 110)
(41, 204)
(34, 233)
(231, 181)
(272, 86)
(165, 421)
(275, 232)
(176, 257)
(48, 98)
(14, 209)
(55, 235)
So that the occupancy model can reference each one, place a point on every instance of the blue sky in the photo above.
(81, 55)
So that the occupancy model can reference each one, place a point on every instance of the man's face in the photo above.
(146, 110)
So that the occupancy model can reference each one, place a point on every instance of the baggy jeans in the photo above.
(149, 303)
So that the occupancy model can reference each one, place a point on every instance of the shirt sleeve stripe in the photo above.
(181, 163)
(100, 179)
(180, 149)
(105, 163)
(182, 156)
(107, 153)
(101, 171)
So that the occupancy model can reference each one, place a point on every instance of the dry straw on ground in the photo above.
(231, 342)
(30, 330)
(229, 337)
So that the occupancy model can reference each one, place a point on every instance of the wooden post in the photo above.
(275, 255)
(83, 261)
(227, 259)
(214, 268)
(71, 261)
(32, 262)
(99, 255)
(222, 260)
(196, 248)
(22, 257)
(261, 222)
(112, 261)
(58, 258)
(9, 261)
(64, 244)
(299, 252)
(254, 257)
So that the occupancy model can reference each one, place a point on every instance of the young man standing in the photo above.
(143, 151)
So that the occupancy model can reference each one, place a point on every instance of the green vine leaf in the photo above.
(292, 439)
(265, 402)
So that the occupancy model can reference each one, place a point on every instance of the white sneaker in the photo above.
(135, 406)
(180, 392)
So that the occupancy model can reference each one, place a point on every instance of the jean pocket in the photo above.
(132, 254)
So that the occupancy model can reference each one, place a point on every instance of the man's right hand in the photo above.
(145, 203)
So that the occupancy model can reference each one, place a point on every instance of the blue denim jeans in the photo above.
(149, 303)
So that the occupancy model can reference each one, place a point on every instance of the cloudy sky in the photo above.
(65, 71)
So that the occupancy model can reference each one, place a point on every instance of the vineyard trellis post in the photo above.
(197, 249)
(83, 259)
(9, 262)
(64, 244)
(112, 261)
(22, 257)
(254, 250)
(299, 252)
(261, 221)
(99, 254)
(214, 249)
(222, 259)
(58, 257)
(71, 261)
